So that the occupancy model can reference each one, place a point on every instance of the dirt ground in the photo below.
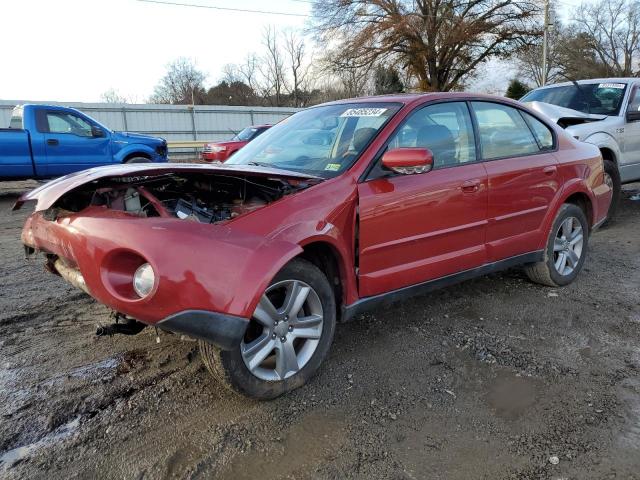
(494, 378)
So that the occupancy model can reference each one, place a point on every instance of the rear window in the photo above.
(16, 119)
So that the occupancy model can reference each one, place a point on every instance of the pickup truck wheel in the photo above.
(612, 178)
(565, 251)
(138, 160)
(287, 339)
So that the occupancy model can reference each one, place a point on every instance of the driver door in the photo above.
(415, 228)
(631, 154)
(70, 144)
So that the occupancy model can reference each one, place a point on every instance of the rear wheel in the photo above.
(612, 178)
(565, 251)
(287, 339)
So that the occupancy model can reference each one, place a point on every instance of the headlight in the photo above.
(218, 148)
(143, 280)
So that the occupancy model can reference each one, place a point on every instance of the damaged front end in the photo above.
(184, 195)
(564, 117)
(99, 230)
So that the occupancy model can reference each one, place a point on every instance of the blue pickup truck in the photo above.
(45, 141)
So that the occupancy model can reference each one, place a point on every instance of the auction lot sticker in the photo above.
(363, 112)
(611, 85)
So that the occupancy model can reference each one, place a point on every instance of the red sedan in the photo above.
(221, 151)
(372, 200)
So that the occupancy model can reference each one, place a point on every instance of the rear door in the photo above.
(70, 144)
(415, 228)
(517, 150)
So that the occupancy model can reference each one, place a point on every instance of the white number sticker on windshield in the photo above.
(611, 85)
(363, 112)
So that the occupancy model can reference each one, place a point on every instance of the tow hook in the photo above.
(128, 327)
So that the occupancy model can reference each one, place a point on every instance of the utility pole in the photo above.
(545, 42)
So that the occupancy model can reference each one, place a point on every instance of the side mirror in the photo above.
(633, 115)
(97, 131)
(408, 161)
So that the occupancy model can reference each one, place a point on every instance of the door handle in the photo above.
(471, 186)
(52, 141)
(550, 170)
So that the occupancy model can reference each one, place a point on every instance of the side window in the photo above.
(503, 131)
(540, 130)
(58, 122)
(443, 128)
(634, 100)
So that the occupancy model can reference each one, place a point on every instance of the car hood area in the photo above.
(229, 143)
(565, 117)
(217, 185)
(137, 138)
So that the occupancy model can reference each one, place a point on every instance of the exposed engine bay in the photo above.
(189, 196)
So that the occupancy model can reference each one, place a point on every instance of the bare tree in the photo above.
(299, 66)
(529, 57)
(613, 27)
(182, 84)
(113, 96)
(439, 41)
(249, 70)
(272, 68)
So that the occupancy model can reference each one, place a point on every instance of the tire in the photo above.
(547, 272)
(270, 376)
(138, 160)
(611, 170)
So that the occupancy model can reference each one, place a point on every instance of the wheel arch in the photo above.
(329, 260)
(608, 154)
(584, 202)
(136, 154)
(134, 150)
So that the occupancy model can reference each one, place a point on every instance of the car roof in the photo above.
(592, 80)
(407, 98)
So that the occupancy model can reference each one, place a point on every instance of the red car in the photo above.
(386, 198)
(221, 151)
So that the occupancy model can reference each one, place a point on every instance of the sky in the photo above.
(75, 50)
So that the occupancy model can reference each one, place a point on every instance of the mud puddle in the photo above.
(11, 457)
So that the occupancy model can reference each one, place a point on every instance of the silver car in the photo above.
(604, 112)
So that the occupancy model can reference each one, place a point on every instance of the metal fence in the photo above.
(181, 125)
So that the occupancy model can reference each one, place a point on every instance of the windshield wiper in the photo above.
(261, 164)
(583, 94)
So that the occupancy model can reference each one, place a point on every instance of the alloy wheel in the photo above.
(284, 331)
(567, 246)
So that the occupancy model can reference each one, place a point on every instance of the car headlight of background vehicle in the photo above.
(144, 280)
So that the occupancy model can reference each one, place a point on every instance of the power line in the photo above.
(229, 9)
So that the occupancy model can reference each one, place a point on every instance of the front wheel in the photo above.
(287, 339)
(565, 251)
(138, 160)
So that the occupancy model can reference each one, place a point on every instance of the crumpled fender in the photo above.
(299, 235)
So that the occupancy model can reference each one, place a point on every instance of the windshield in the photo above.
(596, 98)
(246, 134)
(322, 141)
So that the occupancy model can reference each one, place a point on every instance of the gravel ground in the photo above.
(494, 378)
